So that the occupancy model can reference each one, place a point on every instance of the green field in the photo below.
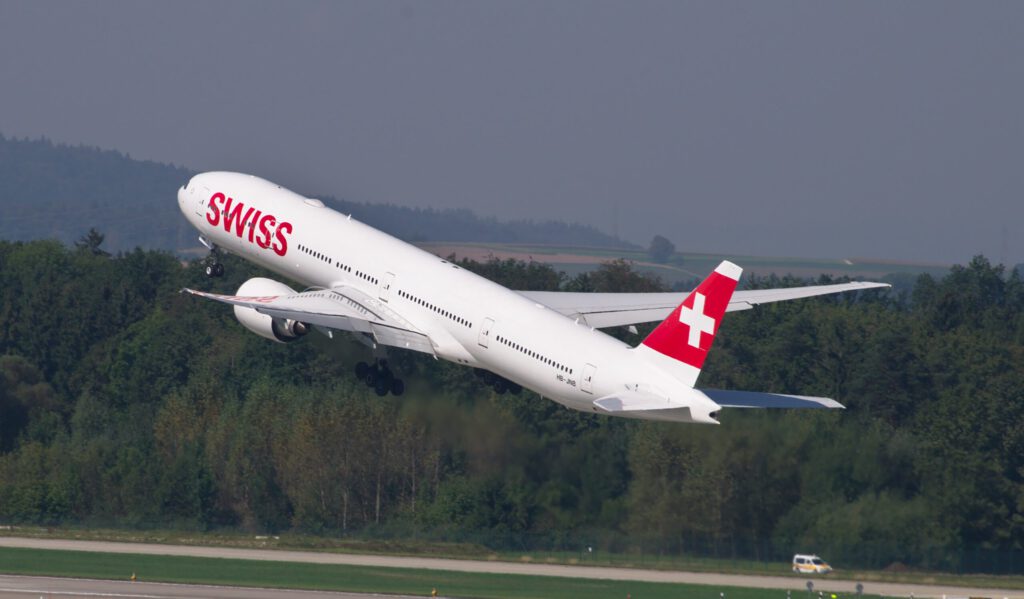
(472, 551)
(232, 572)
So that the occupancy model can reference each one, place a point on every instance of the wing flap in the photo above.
(333, 309)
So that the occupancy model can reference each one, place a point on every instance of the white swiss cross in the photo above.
(696, 319)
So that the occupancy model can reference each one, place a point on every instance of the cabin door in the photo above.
(485, 332)
(587, 378)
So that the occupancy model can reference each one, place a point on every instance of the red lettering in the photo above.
(281, 243)
(230, 216)
(240, 223)
(235, 217)
(252, 225)
(213, 212)
(266, 224)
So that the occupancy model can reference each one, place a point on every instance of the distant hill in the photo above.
(58, 191)
(50, 190)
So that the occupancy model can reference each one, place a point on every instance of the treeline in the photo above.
(55, 191)
(124, 403)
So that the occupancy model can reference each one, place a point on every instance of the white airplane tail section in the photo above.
(679, 346)
(646, 404)
(681, 342)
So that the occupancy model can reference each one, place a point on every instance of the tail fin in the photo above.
(682, 341)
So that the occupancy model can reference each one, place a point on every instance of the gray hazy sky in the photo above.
(880, 129)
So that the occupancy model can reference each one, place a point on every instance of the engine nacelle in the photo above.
(275, 329)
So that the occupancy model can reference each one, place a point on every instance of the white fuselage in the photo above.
(469, 319)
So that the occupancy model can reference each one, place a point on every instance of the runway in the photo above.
(34, 587)
(794, 583)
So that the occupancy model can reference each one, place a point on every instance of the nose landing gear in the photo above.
(214, 269)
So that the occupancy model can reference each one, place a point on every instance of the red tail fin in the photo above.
(687, 334)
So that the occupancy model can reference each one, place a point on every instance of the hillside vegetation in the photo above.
(51, 191)
(125, 403)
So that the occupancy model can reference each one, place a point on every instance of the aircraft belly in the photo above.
(576, 345)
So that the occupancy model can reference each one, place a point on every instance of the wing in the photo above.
(339, 309)
(601, 310)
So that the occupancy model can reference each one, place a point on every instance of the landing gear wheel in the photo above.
(218, 270)
(500, 387)
(380, 378)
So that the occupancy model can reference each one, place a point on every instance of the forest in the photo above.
(124, 403)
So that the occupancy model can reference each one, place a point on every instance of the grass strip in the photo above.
(464, 551)
(329, 577)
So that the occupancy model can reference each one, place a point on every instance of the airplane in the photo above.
(390, 294)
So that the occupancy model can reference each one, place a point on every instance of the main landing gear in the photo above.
(380, 378)
(501, 385)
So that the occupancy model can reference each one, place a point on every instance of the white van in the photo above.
(810, 564)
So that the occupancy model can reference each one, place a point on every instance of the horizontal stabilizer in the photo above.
(754, 399)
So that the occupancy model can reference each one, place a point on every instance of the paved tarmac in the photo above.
(36, 587)
(794, 583)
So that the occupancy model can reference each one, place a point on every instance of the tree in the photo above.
(24, 397)
(91, 242)
(122, 401)
(661, 249)
(616, 276)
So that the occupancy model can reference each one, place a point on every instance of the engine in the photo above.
(275, 329)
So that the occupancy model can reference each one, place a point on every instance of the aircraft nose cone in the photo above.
(182, 195)
(186, 201)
